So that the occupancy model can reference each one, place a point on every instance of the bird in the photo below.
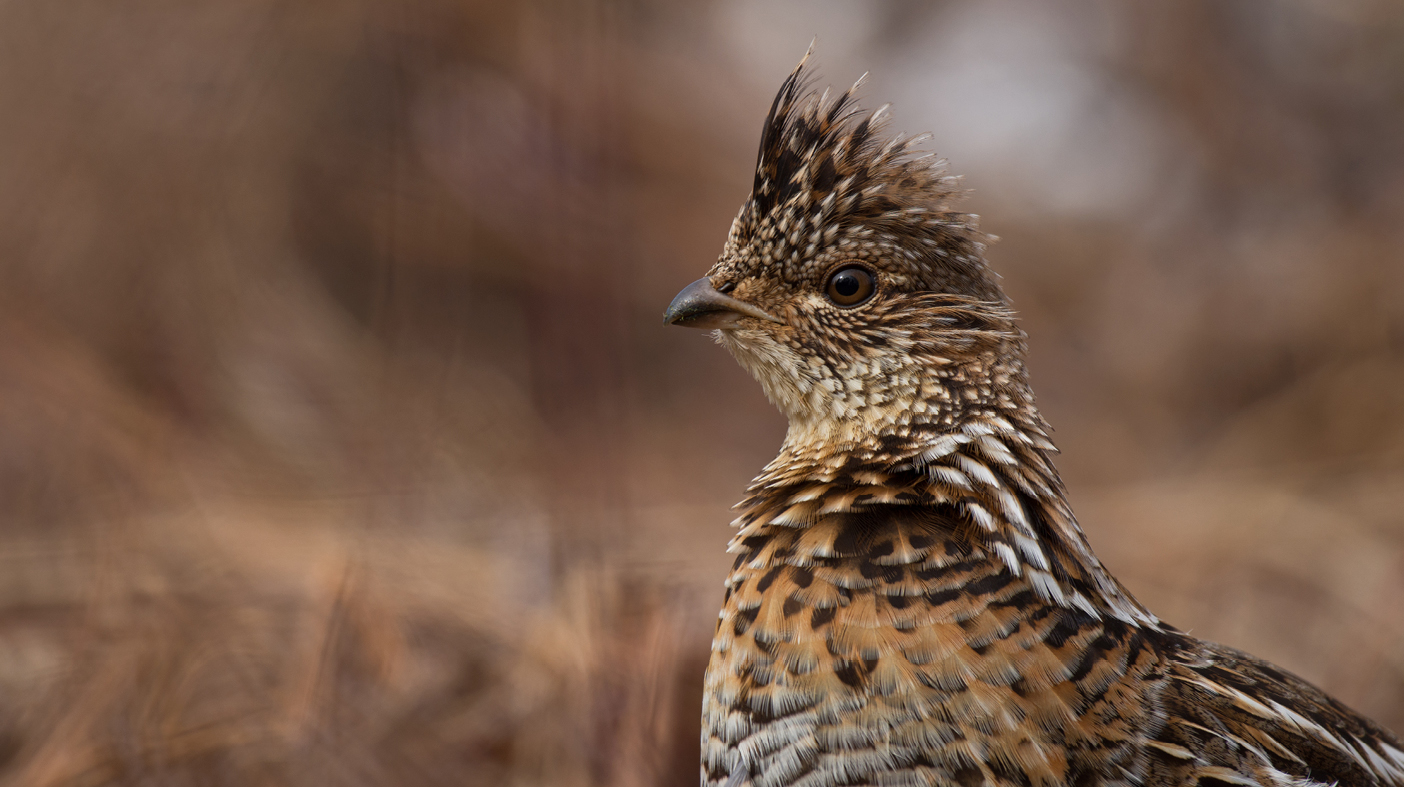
(912, 600)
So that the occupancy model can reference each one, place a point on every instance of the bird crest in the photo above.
(825, 172)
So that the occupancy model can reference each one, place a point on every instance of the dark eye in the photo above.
(850, 286)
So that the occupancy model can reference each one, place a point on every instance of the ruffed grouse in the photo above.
(913, 601)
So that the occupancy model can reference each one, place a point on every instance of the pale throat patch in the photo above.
(826, 404)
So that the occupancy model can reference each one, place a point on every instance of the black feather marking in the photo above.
(744, 620)
(768, 578)
(850, 674)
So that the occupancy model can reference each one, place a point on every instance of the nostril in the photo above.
(726, 287)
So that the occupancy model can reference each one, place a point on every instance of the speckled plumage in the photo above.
(913, 601)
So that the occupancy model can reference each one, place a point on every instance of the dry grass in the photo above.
(339, 442)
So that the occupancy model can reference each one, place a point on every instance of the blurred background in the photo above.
(341, 441)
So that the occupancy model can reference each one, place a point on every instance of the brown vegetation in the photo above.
(340, 441)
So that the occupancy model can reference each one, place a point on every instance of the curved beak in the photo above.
(699, 305)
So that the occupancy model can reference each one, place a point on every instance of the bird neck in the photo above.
(990, 470)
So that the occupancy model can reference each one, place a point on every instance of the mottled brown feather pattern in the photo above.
(913, 601)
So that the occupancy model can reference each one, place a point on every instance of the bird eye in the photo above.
(850, 286)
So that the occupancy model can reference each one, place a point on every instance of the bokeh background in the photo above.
(340, 440)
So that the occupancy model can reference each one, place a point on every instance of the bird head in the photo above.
(850, 288)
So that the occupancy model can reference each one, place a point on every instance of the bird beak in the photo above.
(699, 305)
